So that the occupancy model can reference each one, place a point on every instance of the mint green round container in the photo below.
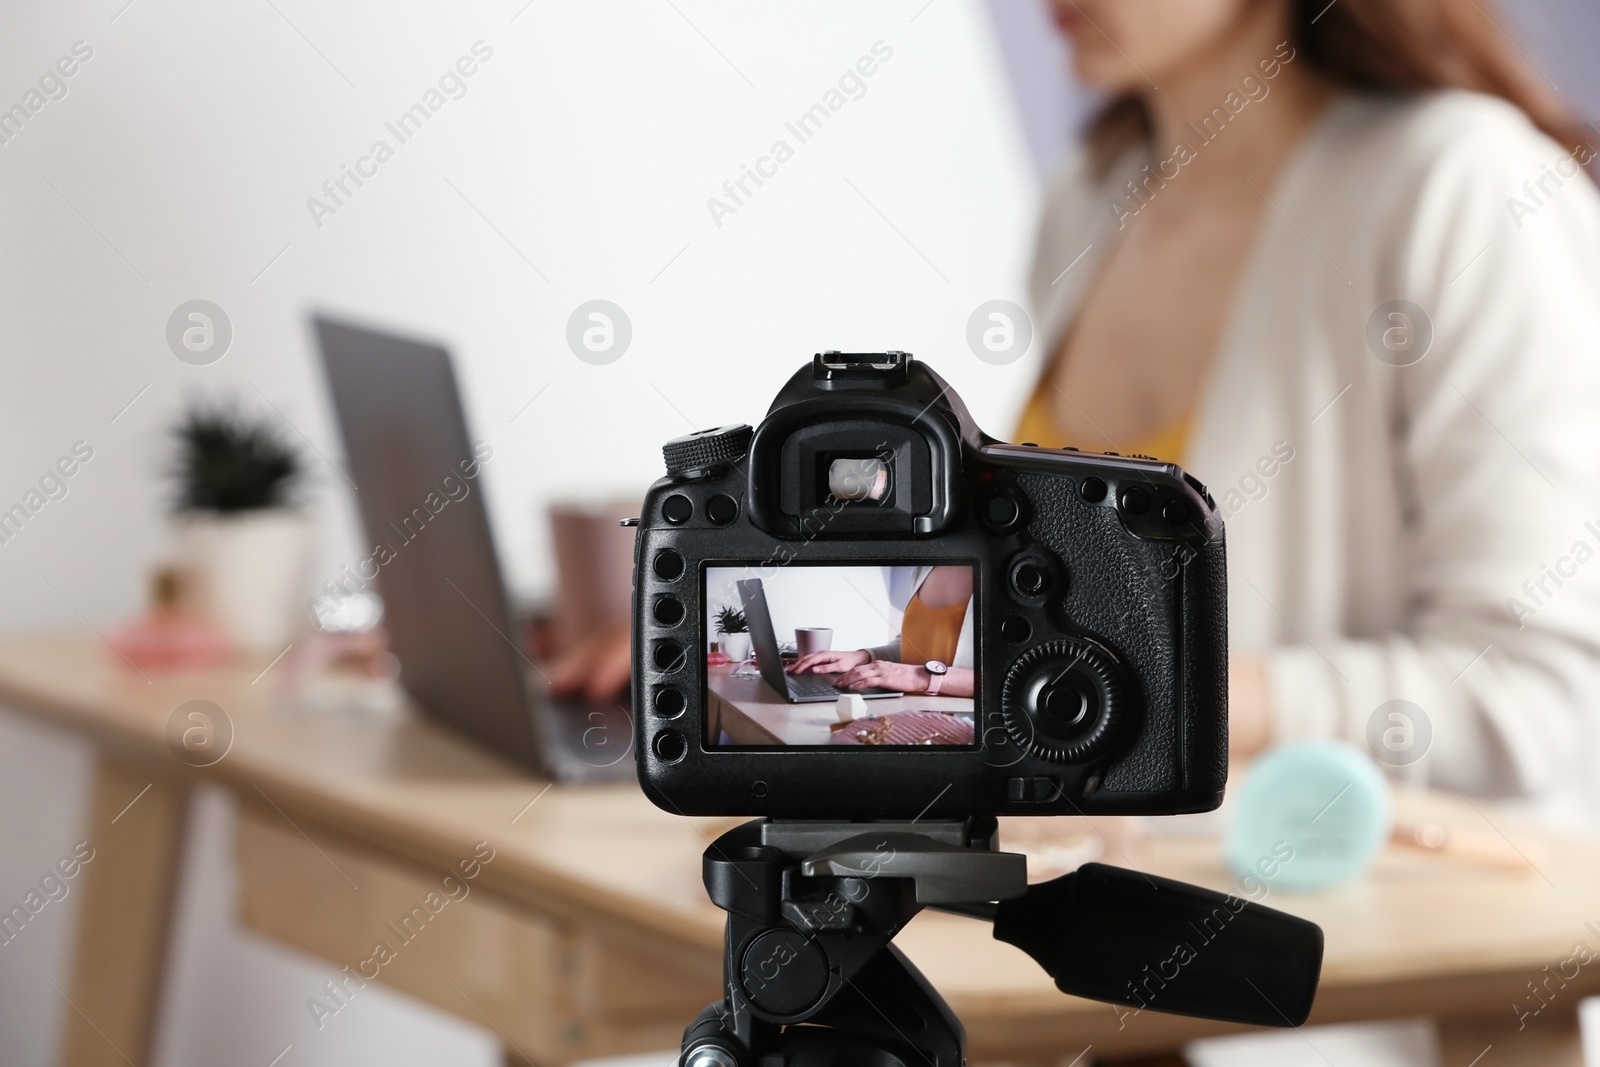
(1310, 815)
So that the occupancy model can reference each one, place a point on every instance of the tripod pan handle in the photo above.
(1154, 943)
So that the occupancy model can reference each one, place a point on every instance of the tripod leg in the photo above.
(723, 1037)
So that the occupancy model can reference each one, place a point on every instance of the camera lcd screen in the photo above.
(840, 657)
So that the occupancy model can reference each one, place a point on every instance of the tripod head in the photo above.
(812, 908)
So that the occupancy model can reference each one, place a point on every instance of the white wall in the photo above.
(577, 166)
(852, 601)
(591, 141)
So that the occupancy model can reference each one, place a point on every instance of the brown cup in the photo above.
(809, 639)
(594, 567)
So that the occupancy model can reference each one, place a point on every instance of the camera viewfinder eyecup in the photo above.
(886, 414)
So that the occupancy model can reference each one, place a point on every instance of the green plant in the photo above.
(228, 463)
(730, 620)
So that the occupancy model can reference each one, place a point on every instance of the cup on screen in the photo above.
(809, 639)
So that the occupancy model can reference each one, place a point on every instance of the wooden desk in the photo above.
(589, 932)
(752, 714)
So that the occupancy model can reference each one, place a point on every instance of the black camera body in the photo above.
(1090, 668)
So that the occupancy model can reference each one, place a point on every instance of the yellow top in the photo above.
(931, 633)
(1039, 426)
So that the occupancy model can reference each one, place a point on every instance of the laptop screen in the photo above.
(427, 543)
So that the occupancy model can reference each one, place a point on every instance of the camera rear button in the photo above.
(1016, 629)
(1135, 501)
(669, 703)
(668, 565)
(722, 509)
(668, 656)
(669, 746)
(677, 508)
(1030, 578)
(1003, 512)
(669, 610)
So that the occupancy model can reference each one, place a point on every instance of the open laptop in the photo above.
(795, 688)
(420, 493)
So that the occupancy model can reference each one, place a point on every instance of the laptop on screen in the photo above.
(795, 688)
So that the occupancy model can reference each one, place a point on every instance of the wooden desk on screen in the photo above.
(749, 711)
(589, 932)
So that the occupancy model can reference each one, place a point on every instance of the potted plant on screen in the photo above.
(735, 634)
(241, 538)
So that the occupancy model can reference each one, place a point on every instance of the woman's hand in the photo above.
(829, 662)
(886, 674)
(596, 669)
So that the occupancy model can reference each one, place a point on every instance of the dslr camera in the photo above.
(915, 620)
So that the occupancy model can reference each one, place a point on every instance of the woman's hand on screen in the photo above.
(830, 662)
(886, 674)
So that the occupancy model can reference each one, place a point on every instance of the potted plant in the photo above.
(240, 536)
(735, 633)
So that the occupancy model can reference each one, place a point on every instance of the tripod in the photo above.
(810, 978)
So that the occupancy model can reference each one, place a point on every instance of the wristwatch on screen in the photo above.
(936, 672)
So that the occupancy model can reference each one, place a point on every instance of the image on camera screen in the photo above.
(840, 656)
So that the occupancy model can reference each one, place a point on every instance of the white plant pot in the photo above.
(248, 572)
(737, 646)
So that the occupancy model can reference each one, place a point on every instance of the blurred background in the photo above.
(186, 159)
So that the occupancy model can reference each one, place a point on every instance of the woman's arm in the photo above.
(959, 682)
(908, 678)
(890, 651)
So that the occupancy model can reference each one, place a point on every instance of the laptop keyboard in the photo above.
(816, 685)
(812, 685)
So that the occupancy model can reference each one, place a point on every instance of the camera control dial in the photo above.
(705, 449)
(1063, 700)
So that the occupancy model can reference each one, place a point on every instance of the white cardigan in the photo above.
(1381, 559)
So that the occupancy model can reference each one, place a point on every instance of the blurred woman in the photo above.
(1342, 261)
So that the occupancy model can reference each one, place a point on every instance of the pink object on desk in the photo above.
(169, 636)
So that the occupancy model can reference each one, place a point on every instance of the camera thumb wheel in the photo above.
(1064, 701)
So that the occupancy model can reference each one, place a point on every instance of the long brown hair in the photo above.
(1396, 46)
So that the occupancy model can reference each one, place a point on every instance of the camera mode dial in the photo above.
(705, 449)
(1063, 700)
